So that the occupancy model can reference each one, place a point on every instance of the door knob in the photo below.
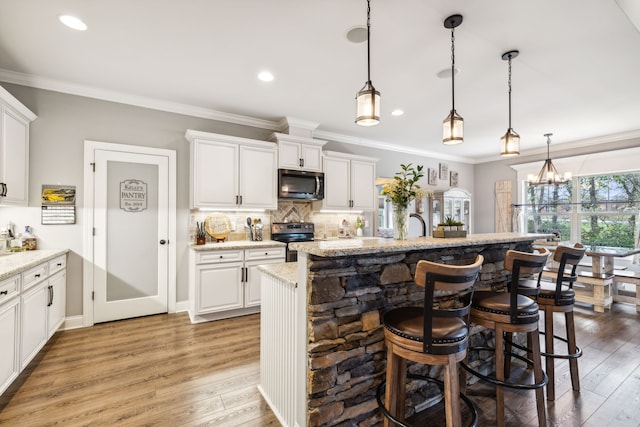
(162, 242)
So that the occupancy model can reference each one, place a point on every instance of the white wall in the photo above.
(56, 157)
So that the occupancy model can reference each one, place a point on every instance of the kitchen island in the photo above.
(322, 342)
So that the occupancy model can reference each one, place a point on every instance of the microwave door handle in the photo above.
(317, 185)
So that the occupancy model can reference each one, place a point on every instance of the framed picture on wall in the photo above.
(444, 171)
(432, 177)
(453, 181)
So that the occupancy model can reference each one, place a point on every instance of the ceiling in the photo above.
(576, 75)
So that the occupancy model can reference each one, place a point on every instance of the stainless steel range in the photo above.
(289, 232)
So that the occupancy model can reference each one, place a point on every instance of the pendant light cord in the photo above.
(453, 64)
(368, 42)
(509, 91)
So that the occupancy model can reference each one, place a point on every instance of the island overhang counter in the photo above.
(322, 342)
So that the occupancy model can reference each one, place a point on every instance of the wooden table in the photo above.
(597, 286)
(602, 257)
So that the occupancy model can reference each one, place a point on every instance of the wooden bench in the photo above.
(621, 295)
(590, 288)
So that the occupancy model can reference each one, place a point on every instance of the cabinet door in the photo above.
(214, 174)
(363, 192)
(9, 342)
(57, 300)
(311, 157)
(219, 287)
(14, 158)
(258, 178)
(33, 321)
(252, 283)
(289, 155)
(336, 183)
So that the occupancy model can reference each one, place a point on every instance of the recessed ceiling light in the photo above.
(73, 22)
(265, 76)
(357, 34)
(446, 73)
(397, 112)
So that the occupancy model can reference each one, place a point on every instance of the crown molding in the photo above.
(345, 139)
(138, 101)
(572, 145)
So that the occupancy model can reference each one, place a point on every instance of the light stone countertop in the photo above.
(237, 244)
(285, 271)
(374, 245)
(20, 261)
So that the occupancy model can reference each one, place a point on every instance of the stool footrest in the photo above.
(387, 414)
(575, 355)
(508, 384)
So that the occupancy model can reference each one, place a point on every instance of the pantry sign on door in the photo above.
(133, 195)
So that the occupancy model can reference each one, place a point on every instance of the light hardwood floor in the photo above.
(162, 370)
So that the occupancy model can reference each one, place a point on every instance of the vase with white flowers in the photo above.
(400, 192)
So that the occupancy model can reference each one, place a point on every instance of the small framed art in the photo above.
(444, 171)
(432, 177)
(453, 180)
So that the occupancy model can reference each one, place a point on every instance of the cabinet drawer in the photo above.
(219, 256)
(264, 253)
(33, 276)
(9, 288)
(57, 264)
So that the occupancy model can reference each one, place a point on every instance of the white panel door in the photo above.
(131, 218)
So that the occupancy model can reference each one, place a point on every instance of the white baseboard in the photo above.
(73, 322)
(182, 306)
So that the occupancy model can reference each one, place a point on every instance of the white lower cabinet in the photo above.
(226, 283)
(32, 308)
(34, 321)
(57, 303)
(9, 341)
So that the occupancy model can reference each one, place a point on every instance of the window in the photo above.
(604, 210)
(609, 206)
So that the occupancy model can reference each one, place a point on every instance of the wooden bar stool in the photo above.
(509, 312)
(559, 297)
(431, 335)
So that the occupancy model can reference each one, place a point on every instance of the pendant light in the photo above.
(453, 124)
(510, 141)
(368, 99)
(549, 174)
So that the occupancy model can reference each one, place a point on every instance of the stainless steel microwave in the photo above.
(300, 185)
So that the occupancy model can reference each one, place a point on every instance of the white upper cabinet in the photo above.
(231, 172)
(349, 182)
(298, 152)
(14, 150)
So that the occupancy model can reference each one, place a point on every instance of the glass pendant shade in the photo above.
(368, 98)
(453, 129)
(453, 124)
(510, 141)
(368, 106)
(510, 144)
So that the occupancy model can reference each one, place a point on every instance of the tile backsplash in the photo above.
(327, 225)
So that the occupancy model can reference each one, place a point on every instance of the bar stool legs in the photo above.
(573, 352)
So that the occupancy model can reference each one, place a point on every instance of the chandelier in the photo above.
(549, 174)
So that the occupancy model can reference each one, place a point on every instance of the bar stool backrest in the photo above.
(458, 279)
(567, 256)
(523, 264)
